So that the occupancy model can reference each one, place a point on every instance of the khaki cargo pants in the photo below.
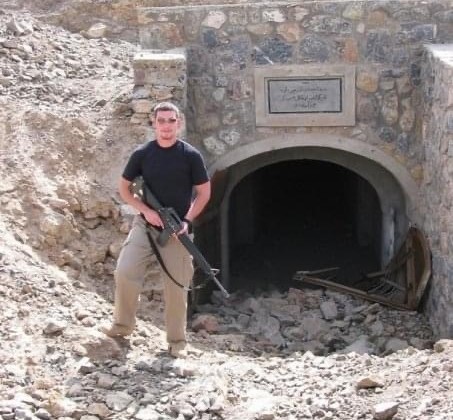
(134, 261)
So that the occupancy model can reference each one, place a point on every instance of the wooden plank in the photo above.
(409, 270)
(349, 290)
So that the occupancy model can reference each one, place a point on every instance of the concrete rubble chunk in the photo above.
(60, 407)
(385, 410)
(54, 327)
(98, 409)
(118, 401)
(99, 347)
(396, 344)
(106, 381)
(329, 309)
(206, 322)
(148, 413)
(360, 346)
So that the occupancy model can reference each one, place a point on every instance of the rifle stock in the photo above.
(172, 225)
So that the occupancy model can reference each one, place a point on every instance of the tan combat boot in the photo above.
(181, 350)
(117, 330)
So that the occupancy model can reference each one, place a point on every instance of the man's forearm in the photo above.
(203, 194)
(196, 207)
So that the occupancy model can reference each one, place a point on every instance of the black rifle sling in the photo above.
(161, 261)
(162, 264)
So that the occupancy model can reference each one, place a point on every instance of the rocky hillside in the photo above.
(301, 354)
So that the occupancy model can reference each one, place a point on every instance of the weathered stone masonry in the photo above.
(437, 185)
(402, 136)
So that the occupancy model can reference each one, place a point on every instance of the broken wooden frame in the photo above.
(400, 285)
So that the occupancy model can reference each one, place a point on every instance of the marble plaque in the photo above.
(315, 95)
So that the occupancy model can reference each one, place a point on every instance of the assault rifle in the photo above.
(172, 225)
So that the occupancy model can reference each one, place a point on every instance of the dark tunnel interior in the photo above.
(302, 215)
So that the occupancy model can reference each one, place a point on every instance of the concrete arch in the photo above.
(396, 190)
(332, 142)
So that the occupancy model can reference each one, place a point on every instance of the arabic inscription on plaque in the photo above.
(305, 95)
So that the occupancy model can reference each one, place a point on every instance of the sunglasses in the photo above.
(166, 120)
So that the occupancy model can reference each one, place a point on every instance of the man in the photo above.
(172, 169)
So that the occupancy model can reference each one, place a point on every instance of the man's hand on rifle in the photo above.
(153, 217)
(184, 228)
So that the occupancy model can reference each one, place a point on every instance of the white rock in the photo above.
(118, 401)
(396, 344)
(98, 30)
(361, 346)
(54, 326)
(98, 409)
(385, 411)
(214, 19)
(329, 309)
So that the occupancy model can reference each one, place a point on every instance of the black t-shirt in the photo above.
(170, 173)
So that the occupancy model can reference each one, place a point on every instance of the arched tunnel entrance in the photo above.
(302, 215)
(304, 203)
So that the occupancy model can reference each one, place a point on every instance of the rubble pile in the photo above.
(55, 364)
(315, 320)
(44, 66)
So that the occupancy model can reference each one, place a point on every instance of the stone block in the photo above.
(350, 52)
(353, 11)
(230, 137)
(239, 89)
(314, 48)
(378, 46)
(407, 118)
(142, 106)
(300, 13)
(254, 14)
(367, 108)
(238, 18)
(192, 23)
(389, 108)
(214, 146)
(162, 69)
(289, 31)
(322, 24)
(214, 19)
(166, 35)
(274, 50)
(260, 29)
(273, 15)
(367, 81)
(209, 38)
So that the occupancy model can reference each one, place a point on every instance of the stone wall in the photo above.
(109, 18)
(158, 76)
(383, 40)
(438, 181)
(385, 43)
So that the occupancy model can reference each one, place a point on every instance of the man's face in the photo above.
(166, 125)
